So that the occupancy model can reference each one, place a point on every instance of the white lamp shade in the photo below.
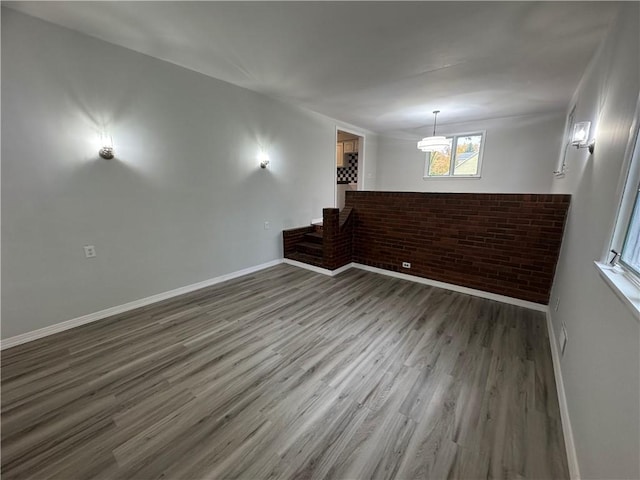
(263, 158)
(433, 144)
(106, 146)
(580, 135)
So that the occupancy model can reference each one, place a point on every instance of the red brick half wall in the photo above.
(501, 243)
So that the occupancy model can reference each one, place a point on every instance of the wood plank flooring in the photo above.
(289, 374)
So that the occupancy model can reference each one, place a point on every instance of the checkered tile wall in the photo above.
(350, 172)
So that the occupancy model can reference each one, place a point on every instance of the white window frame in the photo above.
(454, 140)
(620, 277)
(634, 202)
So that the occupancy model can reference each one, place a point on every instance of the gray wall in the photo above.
(520, 154)
(601, 363)
(185, 199)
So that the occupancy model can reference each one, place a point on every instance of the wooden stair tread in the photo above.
(314, 237)
(309, 248)
(305, 258)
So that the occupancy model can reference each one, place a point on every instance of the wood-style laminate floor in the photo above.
(289, 374)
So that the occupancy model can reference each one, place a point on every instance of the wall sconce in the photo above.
(580, 136)
(106, 147)
(263, 158)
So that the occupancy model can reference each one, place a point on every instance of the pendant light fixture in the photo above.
(434, 143)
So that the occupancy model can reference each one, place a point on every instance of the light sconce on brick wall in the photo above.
(580, 136)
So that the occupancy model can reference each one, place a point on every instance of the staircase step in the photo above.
(304, 258)
(310, 248)
(314, 237)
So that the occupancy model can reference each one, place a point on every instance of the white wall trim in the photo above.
(313, 268)
(456, 288)
(620, 281)
(572, 457)
(425, 281)
(92, 317)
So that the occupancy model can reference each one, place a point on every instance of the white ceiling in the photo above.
(383, 66)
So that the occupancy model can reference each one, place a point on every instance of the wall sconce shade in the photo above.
(580, 136)
(263, 158)
(106, 147)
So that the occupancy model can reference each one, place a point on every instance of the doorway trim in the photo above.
(362, 146)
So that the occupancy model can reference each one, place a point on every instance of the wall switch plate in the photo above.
(406, 265)
(89, 251)
(267, 226)
(563, 339)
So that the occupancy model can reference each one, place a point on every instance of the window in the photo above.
(626, 239)
(624, 278)
(631, 249)
(462, 158)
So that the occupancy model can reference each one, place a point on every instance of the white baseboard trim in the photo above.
(92, 317)
(572, 457)
(456, 288)
(425, 281)
(313, 268)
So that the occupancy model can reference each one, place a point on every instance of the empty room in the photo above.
(341, 240)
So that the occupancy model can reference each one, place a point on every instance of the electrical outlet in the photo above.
(267, 226)
(89, 251)
(557, 305)
(563, 339)
(406, 265)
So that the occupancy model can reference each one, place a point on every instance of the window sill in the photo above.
(623, 287)
(453, 177)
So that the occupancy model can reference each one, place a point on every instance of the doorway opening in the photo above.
(349, 164)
